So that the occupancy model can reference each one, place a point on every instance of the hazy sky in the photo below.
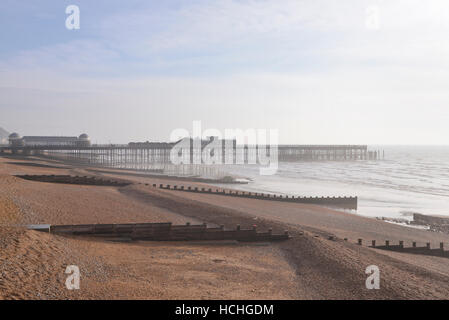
(320, 71)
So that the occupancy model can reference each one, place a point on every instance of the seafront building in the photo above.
(15, 140)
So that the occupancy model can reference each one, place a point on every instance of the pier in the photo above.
(145, 154)
(326, 153)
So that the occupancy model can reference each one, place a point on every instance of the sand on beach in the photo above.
(308, 266)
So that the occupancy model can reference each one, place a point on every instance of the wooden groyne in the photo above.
(439, 224)
(82, 180)
(167, 232)
(414, 249)
(339, 202)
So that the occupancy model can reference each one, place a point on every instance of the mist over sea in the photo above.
(411, 179)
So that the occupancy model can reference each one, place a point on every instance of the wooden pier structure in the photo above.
(326, 153)
(142, 155)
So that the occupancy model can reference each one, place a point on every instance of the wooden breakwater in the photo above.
(167, 232)
(67, 179)
(439, 224)
(339, 202)
(162, 176)
(414, 249)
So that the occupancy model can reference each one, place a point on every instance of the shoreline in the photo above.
(308, 266)
(237, 182)
(154, 173)
(375, 199)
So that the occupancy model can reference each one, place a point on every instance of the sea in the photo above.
(409, 179)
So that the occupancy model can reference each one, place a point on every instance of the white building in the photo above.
(15, 140)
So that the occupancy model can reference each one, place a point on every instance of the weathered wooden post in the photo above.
(428, 245)
(401, 244)
(359, 242)
(442, 246)
(373, 243)
(414, 244)
(387, 243)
